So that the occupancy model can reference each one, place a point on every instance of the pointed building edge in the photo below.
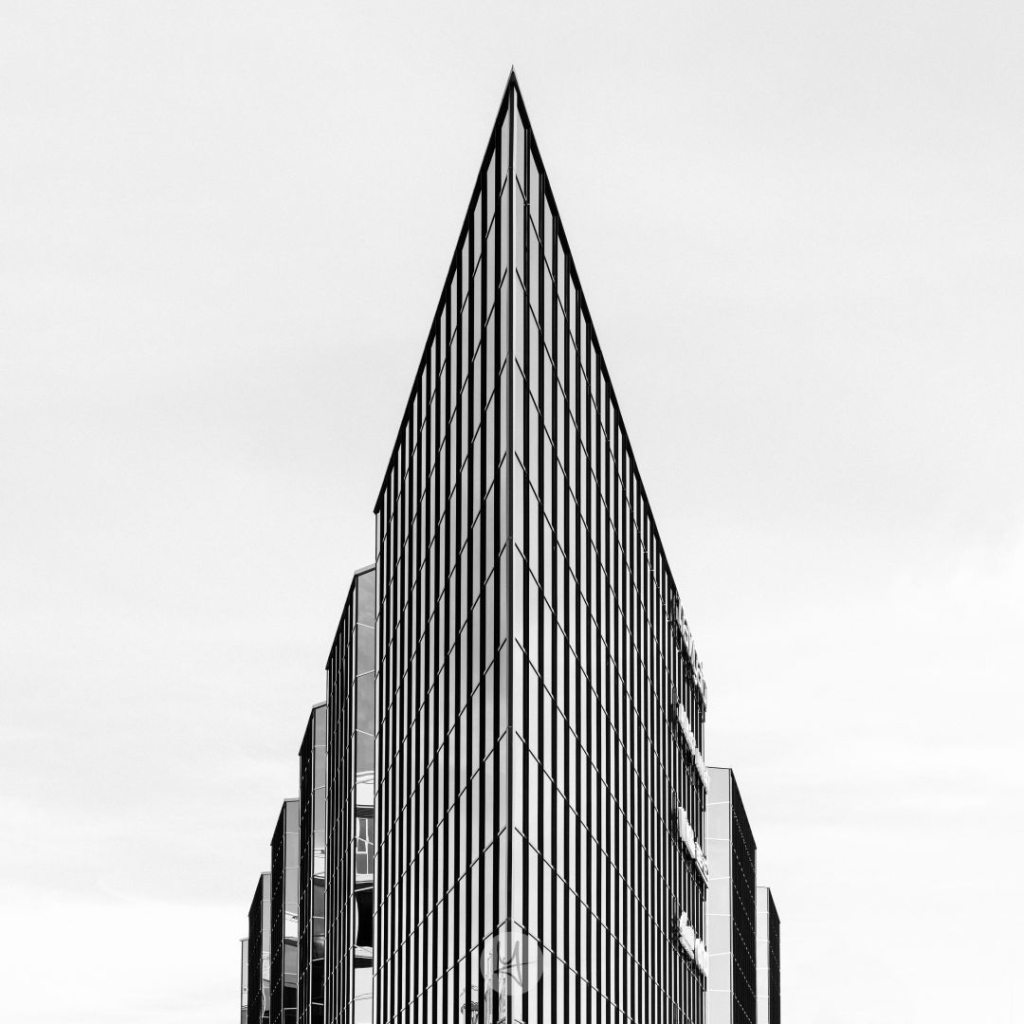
(511, 90)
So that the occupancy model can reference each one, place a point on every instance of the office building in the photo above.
(312, 865)
(505, 813)
(351, 724)
(257, 991)
(284, 927)
(317, 904)
(769, 998)
(731, 910)
(541, 706)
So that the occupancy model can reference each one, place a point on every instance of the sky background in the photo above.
(224, 228)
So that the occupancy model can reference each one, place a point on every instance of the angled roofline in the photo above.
(372, 567)
(265, 879)
(511, 88)
(282, 819)
(585, 309)
(307, 733)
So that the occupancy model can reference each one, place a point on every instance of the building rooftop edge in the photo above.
(511, 88)
(372, 567)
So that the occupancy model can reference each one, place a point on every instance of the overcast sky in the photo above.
(223, 231)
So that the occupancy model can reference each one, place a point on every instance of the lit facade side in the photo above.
(284, 929)
(312, 865)
(351, 724)
(258, 1008)
(542, 708)
(732, 902)
(442, 627)
(769, 996)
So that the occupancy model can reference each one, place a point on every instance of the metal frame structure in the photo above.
(533, 656)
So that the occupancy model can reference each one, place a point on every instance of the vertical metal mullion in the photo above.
(418, 787)
(586, 652)
(442, 625)
(480, 339)
(488, 615)
(577, 682)
(571, 592)
(509, 313)
(469, 411)
(435, 588)
(493, 623)
(402, 717)
(557, 588)
(491, 693)
(445, 607)
(600, 673)
(619, 704)
(528, 924)
(457, 584)
(542, 521)
(429, 512)
(351, 663)
(604, 729)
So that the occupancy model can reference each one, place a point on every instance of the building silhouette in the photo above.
(244, 1017)
(284, 919)
(256, 994)
(351, 724)
(515, 789)
(769, 996)
(732, 857)
(312, 865)
(536, 669)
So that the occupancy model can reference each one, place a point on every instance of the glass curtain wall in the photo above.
(312, 857)
(534, 661)
(351, 853)
(258, 1010)
(732, 907)
(284, 937)
(602, 670)
(768, 996)
(442, 566)
(744, 913)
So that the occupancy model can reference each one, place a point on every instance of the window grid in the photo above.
(529, 650)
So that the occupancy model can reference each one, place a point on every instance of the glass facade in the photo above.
(769, 1001)
(284, 932)
(442, 629)
(258, 949)
(351, 853)
(504, 812)
(732, 905)
(542, 708)
(312, 865)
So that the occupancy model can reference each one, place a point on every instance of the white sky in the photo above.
(223, 231)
